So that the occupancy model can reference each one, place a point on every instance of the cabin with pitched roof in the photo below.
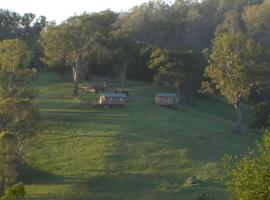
(167, 99)
(113, 99)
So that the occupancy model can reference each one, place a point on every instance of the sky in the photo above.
(60, 10)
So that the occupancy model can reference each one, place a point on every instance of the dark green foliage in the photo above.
(138, 68)
(18, 115)
(206, 196)
(256, 18)
(261, 114)
(157, 23)
(14, 192)
(8, 157)
(19, 121)
(25, 27)
(249, 176)
(181, 69)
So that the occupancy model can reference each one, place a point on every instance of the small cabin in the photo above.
(167, 99)
(119, 91)
(113, 99)
(92, 89)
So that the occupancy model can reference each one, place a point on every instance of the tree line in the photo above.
(213, 45)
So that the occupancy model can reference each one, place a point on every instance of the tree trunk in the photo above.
(178, 91)
(75, 70)
(238, 117)
(124, 72)
(124, 75)
(10, 83)
(20, 149)
(2, 189)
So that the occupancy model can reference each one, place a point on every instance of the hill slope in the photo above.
(142, 151)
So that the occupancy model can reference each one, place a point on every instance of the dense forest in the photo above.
(209, 47)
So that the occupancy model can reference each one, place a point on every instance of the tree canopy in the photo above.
(236, 65)
(15, 59)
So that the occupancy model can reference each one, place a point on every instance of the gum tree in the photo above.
(15, 58)
(236, 65)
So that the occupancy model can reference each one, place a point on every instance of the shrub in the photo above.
(249, 176)
(261, 115)
(15, 192)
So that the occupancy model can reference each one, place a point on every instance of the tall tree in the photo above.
(236, 65)
(63, 43)
(15, 57)
(72, 41)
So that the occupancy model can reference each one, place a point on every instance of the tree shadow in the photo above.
(128, 186)
(30, 175)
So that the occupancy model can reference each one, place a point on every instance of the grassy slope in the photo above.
(139, 152)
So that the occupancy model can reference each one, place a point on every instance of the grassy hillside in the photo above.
(142, 151)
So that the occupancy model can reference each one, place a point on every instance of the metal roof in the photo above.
(166, 95)
(114, 95)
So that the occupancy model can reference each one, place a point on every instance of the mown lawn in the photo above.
(139, 152)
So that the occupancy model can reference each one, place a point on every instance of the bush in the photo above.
(15, 192)
(206, 196)
(249, 176)
(261, 115)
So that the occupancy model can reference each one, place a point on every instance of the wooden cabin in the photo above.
(167, 99)
(87, 89)
(113, 99)
(92, 89)
(122, 92)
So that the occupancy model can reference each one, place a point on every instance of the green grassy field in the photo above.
(142, 151)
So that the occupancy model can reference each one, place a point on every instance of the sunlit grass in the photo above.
(139, 152)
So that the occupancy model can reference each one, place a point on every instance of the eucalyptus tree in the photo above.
(73, 40)
(62, 43)
(236, 65)
(15, 58)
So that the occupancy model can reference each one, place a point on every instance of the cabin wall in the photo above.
(112, 101)
(166, 100)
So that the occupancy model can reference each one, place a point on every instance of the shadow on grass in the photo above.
(107, 186)
(31, 175)
(145, 186)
